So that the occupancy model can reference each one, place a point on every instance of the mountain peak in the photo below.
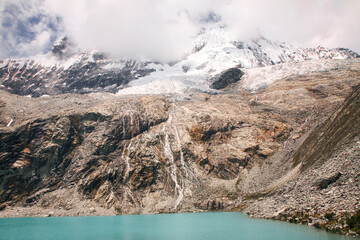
(215, 50)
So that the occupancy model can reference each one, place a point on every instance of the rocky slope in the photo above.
(272, 152)
(323, 187)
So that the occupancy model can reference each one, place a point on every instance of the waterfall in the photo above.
(123, 127)
(188, 172)
(177, 137)
(130, 115)
(125, 156)
(132, 123)
(172, 169)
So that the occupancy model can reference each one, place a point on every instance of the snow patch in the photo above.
(257, 78)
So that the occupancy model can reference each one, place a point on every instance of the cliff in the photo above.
(269, 152)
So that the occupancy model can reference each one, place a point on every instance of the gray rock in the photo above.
(226, 78)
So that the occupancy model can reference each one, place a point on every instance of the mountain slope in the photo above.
(100, 153)
(325, 190)
(65, 70)
(69, 70)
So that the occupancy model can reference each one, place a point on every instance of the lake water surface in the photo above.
(184, 226)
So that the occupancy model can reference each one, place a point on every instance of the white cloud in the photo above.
(40, 42)
(329, 23)
(26, 28)
(163, 29)
(141, 28)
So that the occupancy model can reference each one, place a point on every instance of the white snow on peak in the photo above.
(215, 50)
(214, 34)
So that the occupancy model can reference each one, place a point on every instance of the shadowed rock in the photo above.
(326, 182)
(226, 78)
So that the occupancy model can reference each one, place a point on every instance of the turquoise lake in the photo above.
(184, 226)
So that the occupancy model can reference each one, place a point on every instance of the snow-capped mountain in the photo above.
(67, 69)
(218, 49)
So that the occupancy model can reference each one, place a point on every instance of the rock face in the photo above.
(67, 69)
(81, 73)
(265, 152)
(227, 77)
(137, 155)
(86, 146)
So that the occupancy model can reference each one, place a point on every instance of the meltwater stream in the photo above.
(184, 226)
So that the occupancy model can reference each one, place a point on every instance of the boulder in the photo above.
(225, 78)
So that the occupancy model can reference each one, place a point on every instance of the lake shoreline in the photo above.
(337, 223)
(330, 222)
(189, 225)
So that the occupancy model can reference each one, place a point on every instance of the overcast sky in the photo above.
(163, 29)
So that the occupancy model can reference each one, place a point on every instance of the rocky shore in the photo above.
(326, 191)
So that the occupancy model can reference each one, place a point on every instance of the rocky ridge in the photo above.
(69, 70)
